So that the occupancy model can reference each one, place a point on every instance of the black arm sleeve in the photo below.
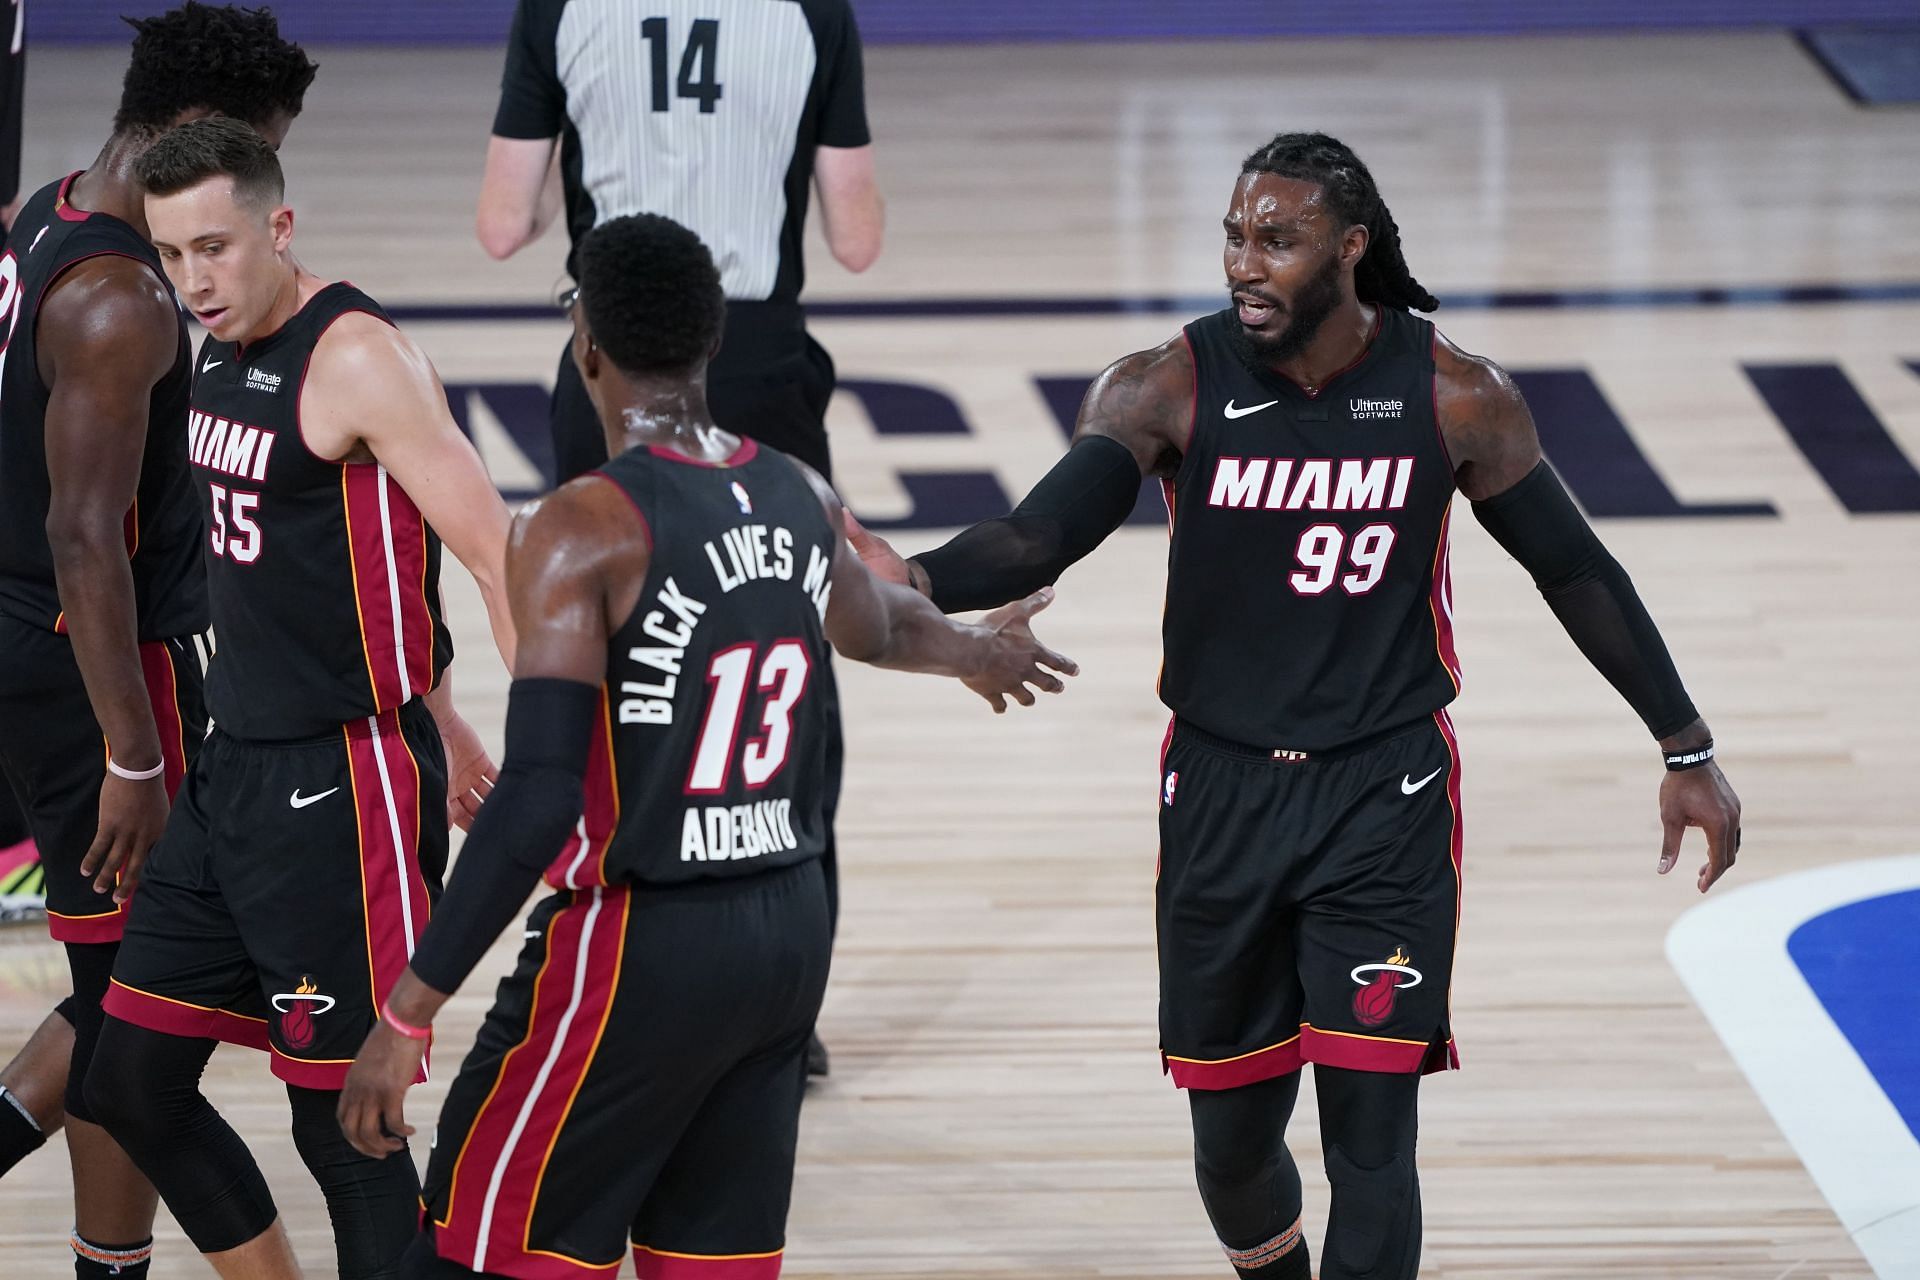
(1087, 495)
(533, 102)
(521, 827)
(1538, 524)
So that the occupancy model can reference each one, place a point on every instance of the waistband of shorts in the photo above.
(1188, 732)
(713, 888)
(360, 729)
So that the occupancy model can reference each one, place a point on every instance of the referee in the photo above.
(719, 114)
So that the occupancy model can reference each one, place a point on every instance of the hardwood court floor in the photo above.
(996, 1107)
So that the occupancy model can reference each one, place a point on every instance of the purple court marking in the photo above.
(1873, 66)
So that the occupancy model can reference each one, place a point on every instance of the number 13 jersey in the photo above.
(1308, 599)
(708, 758)
(322, 577)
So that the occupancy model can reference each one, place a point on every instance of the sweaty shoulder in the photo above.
(364, 373)
(109, 304)
(1484, 420)
(1145, 401)
(579, 554)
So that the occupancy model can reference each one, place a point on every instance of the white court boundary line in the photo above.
(1732, 954)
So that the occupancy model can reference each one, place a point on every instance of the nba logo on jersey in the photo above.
(1166, 788)
(740, 496)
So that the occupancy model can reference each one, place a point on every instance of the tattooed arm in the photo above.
(1133, 423)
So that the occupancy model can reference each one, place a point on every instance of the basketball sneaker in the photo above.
(23, 884)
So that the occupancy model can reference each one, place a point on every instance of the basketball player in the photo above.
(638, 1080)
(589, 124)
(301, 862)
(1310, 439)
(101, 588)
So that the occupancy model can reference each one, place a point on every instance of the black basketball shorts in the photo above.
(1307, 907)
(637, 1084)
(286, 896)
(52, 749)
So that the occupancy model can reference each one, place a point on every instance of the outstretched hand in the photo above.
(1700, 798)
(882, 561)
(1016, 658)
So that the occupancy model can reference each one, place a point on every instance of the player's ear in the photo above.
(586, 354)
(280, 222)
(1353, 245)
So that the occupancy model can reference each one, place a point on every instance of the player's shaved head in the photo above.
(650, 294)
(215, 147)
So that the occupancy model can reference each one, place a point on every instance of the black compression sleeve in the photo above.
(520, 829)
(1538, 524)
(1087, 495)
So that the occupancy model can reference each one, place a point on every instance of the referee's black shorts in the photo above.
(770, 382)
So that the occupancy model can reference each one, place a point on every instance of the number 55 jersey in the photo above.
(323, 579)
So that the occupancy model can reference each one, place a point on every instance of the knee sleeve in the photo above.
(91, 964)
(374, 1204)
(1248, 1180)
(144, 1087)
(1373, 1231)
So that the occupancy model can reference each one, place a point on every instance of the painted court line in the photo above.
(1732, 954)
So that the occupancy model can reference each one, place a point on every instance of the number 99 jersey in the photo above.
(708, 758)
(1308, 598)
(322, 576)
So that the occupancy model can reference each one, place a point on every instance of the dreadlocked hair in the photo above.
(1381, 275)
(221, 58)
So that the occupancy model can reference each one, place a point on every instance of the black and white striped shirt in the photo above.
(705, 111)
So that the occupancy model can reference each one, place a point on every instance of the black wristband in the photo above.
(1681, 761)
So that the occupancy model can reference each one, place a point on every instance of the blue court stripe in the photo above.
(1860, 961)
(1200, 304)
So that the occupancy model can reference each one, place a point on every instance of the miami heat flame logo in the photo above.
(1373, 1003)
(297, 1009)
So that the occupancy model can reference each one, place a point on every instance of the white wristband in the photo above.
(135, 775)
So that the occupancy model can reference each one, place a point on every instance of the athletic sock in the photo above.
(107, 1261)
(1284, 1257)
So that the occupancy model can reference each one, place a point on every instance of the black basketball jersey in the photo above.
(1308, 599)
(48, 239)
(708, 758)
(323, 577)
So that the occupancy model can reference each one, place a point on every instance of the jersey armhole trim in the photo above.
(646, 525)
(1433, 357)
(300, 391)
(1193, 410)
(186, 341)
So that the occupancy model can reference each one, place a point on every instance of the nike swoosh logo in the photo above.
(1408, 786)
(1232, 412)
(211, 364)
(300, 802)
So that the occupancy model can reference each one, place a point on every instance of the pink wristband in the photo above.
(406, 1029)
